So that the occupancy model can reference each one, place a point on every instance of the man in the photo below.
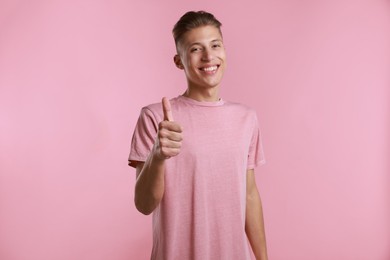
(195, 157)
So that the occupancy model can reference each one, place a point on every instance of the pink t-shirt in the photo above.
(202, 213)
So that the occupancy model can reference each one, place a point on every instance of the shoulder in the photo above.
(153, 110)
(242, 108)
(156, 110)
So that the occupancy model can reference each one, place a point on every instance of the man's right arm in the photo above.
(149, 186)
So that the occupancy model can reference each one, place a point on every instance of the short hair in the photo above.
(192, 20)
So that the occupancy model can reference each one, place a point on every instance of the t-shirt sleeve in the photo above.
(256, 152)
(144, 136)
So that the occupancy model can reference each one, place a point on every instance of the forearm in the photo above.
(254, 226)
(149, 187)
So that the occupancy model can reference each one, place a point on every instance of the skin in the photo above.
(200, 48)
(254, 221)
(149, 186)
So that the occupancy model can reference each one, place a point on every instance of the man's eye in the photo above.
(195, 49)
(216, 45)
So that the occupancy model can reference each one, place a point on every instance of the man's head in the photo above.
(192, 20)
(200, 50)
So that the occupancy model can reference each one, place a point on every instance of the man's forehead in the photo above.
(201, 35)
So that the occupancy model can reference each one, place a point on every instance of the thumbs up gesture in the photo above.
(169, 136)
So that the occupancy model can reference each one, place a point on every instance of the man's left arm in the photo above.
(254, 221)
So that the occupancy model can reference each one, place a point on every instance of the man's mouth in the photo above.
(210, 69)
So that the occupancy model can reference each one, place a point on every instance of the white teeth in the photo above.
(210, 68)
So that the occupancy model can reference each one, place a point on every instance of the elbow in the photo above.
(146, 206)
(250, 196)
(142, 208)
(253, 198)
(144, 211)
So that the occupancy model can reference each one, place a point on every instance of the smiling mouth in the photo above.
(210, 69)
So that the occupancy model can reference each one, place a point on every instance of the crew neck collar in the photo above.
(191, 101)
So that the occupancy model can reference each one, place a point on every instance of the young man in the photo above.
(195, 157)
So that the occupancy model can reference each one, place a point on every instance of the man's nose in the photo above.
(207, 55)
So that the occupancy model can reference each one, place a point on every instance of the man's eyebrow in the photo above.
(195, 43)
(198, 43)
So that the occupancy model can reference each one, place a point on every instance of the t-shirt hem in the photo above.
(133, 161)
(254, 165)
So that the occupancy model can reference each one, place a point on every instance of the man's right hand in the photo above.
(169, 136)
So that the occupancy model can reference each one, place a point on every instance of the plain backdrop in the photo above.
(75, 74)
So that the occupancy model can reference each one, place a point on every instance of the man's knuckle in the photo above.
(164, 151)
(163, 125)
(163, 133)
(163, 142)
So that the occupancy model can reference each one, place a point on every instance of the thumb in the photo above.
(167, 109)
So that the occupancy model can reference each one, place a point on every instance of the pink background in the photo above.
(74, 75)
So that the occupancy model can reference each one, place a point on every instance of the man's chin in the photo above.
(211, 84)
(204, 85)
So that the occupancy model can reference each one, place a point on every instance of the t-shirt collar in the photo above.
(188, 100)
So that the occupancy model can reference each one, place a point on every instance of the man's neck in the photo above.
(206, 95)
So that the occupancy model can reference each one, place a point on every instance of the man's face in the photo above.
(201, 54)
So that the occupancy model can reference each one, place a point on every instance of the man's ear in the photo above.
(177, 61)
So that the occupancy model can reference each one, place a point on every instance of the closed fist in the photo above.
(169, 136)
